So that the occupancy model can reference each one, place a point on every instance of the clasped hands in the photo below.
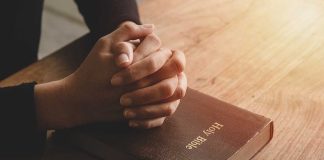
(126, 76)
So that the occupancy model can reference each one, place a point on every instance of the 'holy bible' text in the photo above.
(203, 138)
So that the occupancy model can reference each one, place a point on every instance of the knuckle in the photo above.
(154, 39)
(179, 52)
(104, 58)
(152, 64)
(103, 41)
(169, 110)
(130, 74)
(145, 112)
(121, 47)
(142, 84)
(129, 27)
(166, 51)
(180, 93)
(166, 90)
(179, 65)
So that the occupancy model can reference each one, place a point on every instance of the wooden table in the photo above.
(266, 56)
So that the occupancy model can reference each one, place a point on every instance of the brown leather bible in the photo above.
(203, 128)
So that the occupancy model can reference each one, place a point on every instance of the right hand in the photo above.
(156, 97)
(86, 96)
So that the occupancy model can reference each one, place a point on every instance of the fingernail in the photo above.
(133, 124)
(125, 101)
(116, 80)
(123, 58)
(129, 114)
(149, 26)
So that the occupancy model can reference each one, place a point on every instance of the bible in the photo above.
(203, 128)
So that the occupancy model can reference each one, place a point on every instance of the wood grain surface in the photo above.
(266, 56)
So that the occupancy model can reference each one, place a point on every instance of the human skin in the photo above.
(144, 90)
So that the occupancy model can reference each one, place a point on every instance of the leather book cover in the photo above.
(203, 128)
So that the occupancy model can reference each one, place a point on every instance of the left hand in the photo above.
(153, 98)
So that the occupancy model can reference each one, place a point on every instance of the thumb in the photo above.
(124, 53)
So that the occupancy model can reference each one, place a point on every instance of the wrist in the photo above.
(50, 102)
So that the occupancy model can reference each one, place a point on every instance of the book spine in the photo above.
(255, 144)
(96, 148)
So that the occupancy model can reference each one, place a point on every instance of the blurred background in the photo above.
(61, 24)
